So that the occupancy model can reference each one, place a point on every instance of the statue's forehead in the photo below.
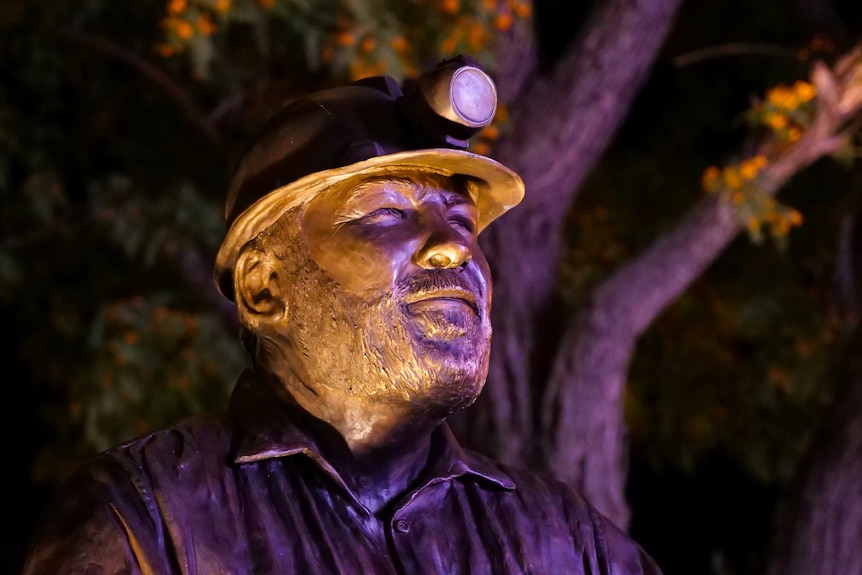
(414, 186)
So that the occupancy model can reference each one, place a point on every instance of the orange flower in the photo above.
(481, 148)
(731, 178)
(176, 7)
(709, 178)
(450, 6)
(776, 121)
(794, 217)
(448, 45)
(367, 44)
(492, 132)
(345, 39)
(804, 91)
(184, 29)
(400, 44)
(748, 170)
(781, 97)
(206, 26)
(522, 9)
(502, 112)
(476, 37)
(503, 21)
(221, 6)
(753, 224)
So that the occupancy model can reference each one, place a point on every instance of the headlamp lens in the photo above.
(473, 96)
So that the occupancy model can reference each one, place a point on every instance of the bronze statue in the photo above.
(364, 301)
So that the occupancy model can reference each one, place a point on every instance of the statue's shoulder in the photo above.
(188, 446)
(559, 512)
(120, 495)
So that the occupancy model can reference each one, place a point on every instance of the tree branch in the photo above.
(735, 49)
(589, 374)
(150, 72)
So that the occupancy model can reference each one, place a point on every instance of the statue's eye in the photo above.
(383, 216)
(463, 223)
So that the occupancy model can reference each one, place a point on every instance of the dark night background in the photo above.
(700, 506)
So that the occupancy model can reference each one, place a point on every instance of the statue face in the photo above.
(392, 300)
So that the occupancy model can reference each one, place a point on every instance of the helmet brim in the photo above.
(502, 190)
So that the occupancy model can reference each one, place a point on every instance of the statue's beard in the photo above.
(374, 347)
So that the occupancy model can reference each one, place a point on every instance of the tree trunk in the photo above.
(563, 121)
(583, 427)
(821, 531)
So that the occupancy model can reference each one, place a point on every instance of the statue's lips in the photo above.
(445, 298)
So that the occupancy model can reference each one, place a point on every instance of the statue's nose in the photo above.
(444, 249)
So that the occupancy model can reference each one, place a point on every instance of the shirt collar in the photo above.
(268, 427)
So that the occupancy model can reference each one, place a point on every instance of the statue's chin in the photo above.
(450, 351)
(450, 390)
(442, 320)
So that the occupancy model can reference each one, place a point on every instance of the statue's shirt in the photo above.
(249, 492)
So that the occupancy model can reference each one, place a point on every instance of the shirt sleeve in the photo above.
(100, 521)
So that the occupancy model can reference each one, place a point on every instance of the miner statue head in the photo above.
(352, 252)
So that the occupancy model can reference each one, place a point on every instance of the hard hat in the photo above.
(370, 127)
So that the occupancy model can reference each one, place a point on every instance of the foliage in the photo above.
(151, 359)
(148, 364)
(354, 38)
(786, 113)
(118, 128)
(752, 376)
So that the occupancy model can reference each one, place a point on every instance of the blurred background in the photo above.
(678, 283)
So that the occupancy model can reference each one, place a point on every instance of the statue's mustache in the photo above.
(440, 280)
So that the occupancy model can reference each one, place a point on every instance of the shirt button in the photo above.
(402, 526)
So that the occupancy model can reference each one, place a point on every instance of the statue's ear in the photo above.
(259, 295)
